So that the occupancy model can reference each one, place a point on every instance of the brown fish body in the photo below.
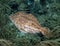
(27, 23)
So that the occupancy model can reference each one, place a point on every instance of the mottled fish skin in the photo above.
(27, 23)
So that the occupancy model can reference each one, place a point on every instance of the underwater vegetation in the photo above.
(47, 13)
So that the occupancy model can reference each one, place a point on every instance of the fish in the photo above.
(28, 23)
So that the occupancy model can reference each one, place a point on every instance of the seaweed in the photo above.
(48, 15)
